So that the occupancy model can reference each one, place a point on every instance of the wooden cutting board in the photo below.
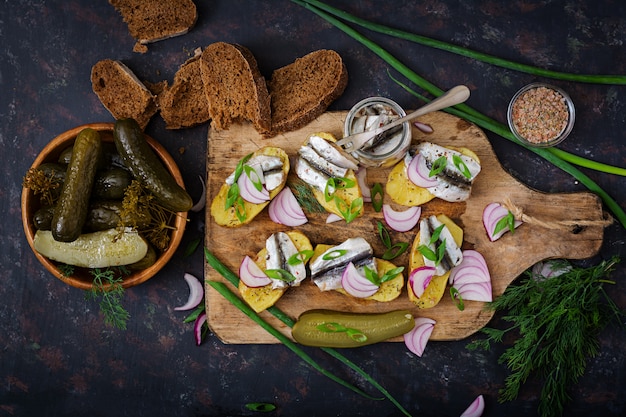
(506, 258)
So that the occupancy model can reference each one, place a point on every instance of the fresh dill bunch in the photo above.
(303, 193)
(557, 321)
(107, 285)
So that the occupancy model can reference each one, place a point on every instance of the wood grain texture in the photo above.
(506, 258)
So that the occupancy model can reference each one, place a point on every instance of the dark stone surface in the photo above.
(57, 356)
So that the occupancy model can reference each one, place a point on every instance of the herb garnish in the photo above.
(107, 285)
(333, 327)
(434, 255)
(558, 321)
(393, 249)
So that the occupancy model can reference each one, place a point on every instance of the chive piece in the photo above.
(254, 177)
(280, 274)
(507, 221)
(395, 250)
(384, 234)
(231, 277)
(300, 257)
(261, 407)
(378, 196)
(459, 50)
(464, 111)
(461, 166)
(333, 327)
(438, 166)
(237, 302)
(456, 297)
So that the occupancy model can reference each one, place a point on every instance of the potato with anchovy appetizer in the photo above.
(431, 171)
(329, 171)
(258, 178)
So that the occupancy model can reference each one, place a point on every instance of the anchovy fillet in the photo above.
(326, 273)
(331, 153)
(268, 164)
(280, 248)
(452, 185)
(452, 256)
(320, 163)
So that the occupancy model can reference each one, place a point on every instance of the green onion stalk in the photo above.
(231, 277)
(556, 157)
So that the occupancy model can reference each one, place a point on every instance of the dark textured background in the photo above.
(57, 358)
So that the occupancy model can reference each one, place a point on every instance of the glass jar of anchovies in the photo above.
(388, 148)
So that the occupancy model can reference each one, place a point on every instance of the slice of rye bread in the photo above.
(303, 90)
(121, 92)
(185, 104)
(234, 87)
(154, 20)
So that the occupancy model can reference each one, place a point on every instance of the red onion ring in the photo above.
(251, 274)
(197, 327)
(401, 221)
(492, 214)
(476, 408)
(196, 292)
(418, 172)
(248, 191)
(356, 284)
(366, 192)
(416, 339)
(419, 278)
(284, 209)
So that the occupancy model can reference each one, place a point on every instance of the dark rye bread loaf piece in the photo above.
(303, 90)
(121, 92)
(153, 20)
(235, 89)
(185, 104)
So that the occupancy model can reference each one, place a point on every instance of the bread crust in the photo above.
(235, 88)
(303, 90)
(185, 104)
(121, 92)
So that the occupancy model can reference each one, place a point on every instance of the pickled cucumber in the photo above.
(375, 327)
(146, 167)
(71, 208)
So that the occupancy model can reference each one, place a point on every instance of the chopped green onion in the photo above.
(240, 166)
(506, 221)
(395, 250)
(438, 166)
(261, 407)
(456, 297)
(240, 209)
(231, 277)
(334, 254)
(332, 327)
(378, 195)
(436, 233)
(461, 166)
(254, 177)
(384, 234)
(280, 274)
(231, 196)
(351, 212)
(300, 257)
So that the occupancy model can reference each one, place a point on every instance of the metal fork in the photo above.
(454, 96)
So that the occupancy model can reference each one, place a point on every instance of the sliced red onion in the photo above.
(492, 214)
(550, 269)
(401, 221)
(475, 291)
(196, 292)
(202, 200)
(473, 268)
(332, 217)
(423, 127)
(284, 209)
(361, 176)
(476, 408)
(419, 173)
(251, 274)
(417, 338)
(248, 191)
(356, 284)
(419, 278)
(197, 327)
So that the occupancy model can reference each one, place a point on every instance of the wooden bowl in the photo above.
(81, 278)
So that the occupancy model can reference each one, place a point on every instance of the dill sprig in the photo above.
(42, 184)
(303, 193)
(557, 321)
(107, 285)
